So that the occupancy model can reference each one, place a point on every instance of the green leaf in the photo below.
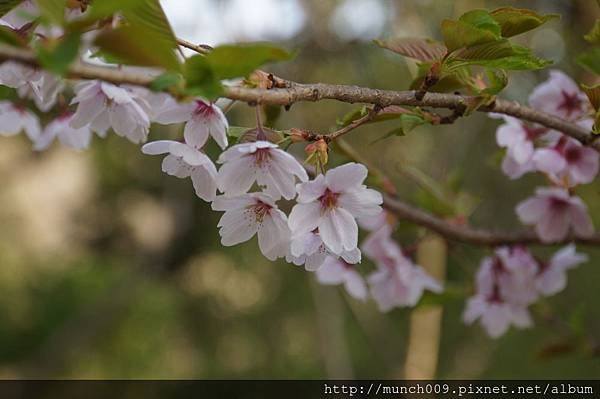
(102, 9)
(485, 51)
(137, 46)
(593, 36)
(590, 60)
(53, 11)
(7, 5)
(522, 58)
(514, 21)
(233, 61)
(237, 131)
(200, 78)
(410, 121)
(166, 81)
(146, 39)
(61, 55)
(497, 81)
(458, 34)
(481, 19)
(419, 49)
(9, 36)
(593, 93)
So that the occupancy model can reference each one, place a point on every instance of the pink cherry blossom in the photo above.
(560, 96)
(203, 119)
(336, 271)
(495, 316)
(15, 119)
(554, 212)
(568, 162)
(375, 222)
(502, 296)
(514, 269)
(518, 139)
(23, 14)
(60, 128)
(331, 202)
(103, 105)
(261, 162)
(552, 277)
(309, 250)
(397, 282)
(186, 161)
(250, 214)
(40, 86)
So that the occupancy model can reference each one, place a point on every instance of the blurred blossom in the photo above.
(359, 19)
(210, 22)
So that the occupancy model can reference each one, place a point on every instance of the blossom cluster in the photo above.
(513, 279)
(253, 177)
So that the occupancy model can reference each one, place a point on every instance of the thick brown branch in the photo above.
(466, 234)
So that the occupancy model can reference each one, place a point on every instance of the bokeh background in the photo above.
(111, 269)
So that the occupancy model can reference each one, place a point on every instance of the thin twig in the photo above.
(199, 48)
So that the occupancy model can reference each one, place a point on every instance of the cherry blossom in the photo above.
(553, 212)
(336, 271)
(103, 105)
(15, 119)
(514, 269)
(250, 214)
(496, 316)
(60, 128)
(331, 202)
(518, 139)
(36, 84)
(568, 162)
(397, 281)
(309, 250)
(186, 161)
(494, 303)
(560, 96)
(23, 14)
(552, 276)
(261, 162)
(203, 119)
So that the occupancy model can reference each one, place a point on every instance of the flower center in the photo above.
(203, 108)
(260, 210)
(262, 156)
(558, 204)
(533, 133)
(571, 102)
(573, 155)
(328, 199)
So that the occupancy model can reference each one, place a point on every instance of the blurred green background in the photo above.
(111, 269)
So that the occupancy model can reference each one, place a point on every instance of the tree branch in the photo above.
(296, 92)
(466, 234)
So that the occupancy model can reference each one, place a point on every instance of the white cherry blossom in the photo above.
(261, 162)
(40, 86)
(336, 271)
(552, 277)
(554, 212)
(185, 161)
(397, 282)
(60, 128)
(331, 202)
(309, 250)
(15, 119)
(103, 105)
(251, 214)
(203, 119)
